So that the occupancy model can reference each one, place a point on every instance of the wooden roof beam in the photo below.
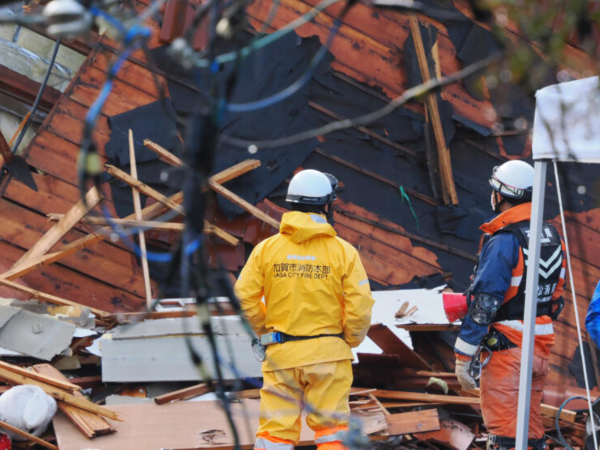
(25, 89)
(64, 225)
(168, 157)
(148, 212)
(137, 208)
(448, 187)
(150, 192)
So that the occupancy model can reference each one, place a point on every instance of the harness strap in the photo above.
(277, 337)
(288, 337)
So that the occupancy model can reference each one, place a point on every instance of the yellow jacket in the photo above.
(313, 282)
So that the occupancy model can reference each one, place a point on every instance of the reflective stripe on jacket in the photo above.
(500, 273)
(313, 282)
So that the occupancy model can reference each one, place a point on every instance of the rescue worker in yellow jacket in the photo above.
(317, 305)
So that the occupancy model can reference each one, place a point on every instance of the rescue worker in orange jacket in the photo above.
(317, 305)
(496, 308)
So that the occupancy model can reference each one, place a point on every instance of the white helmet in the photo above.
(311, 187)
(513, 179)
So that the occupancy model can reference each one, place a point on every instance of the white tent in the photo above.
(566, 128)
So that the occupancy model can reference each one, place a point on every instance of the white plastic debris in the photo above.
(28, 408)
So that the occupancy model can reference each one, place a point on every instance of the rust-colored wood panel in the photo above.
(131, 73)
(23, 228)
(122, 98)
(71, 285)
(584, 234)
(392, 29)
(54, 195)
(67, 122)
(586, 277)
(400, 243)
(383, 262)
(371, 61)
(55, 156)
(583, 241)
(349, 47)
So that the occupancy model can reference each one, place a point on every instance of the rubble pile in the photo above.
(134, 382)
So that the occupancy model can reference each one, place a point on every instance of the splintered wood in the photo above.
(87, 422)
(59, 389)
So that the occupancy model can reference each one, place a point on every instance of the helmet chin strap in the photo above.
(496, 205)
(330, 214)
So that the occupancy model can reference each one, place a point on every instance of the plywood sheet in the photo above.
(178, 426)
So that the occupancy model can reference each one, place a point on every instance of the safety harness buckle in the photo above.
(476, 365)
(274, 337)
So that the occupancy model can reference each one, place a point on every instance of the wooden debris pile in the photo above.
(422, 399)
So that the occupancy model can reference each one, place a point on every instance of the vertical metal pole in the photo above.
(531, 288)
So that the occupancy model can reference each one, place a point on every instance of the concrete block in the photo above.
(69, 58)
(36, 43)
(7, 31)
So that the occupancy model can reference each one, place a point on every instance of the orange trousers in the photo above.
(322, 389)
(500, 393)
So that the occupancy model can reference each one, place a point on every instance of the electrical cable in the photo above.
(269, 20)
(89, 165)
(557, 425)
(38, 97)
(410, 94)
(566, 238)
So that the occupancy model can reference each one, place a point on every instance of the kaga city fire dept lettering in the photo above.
(302, 270)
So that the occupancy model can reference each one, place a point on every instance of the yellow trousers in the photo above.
(322, 389)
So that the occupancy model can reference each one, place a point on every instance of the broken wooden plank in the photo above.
(5, 151)
(148, 224)
(29, 437)
(39, 377)
(378, 403)
(57, 393)
(144, 189)
(88, 423)
(64, 225)
(183, 394)
(209, 228)
(235, 171)
(361, 391)
(50, 298)
(434, 398)
(450, 195)
(565, 415)
(234, 198)
(413, 422)
(149, 212)
(163, 153)
(137, 207)
(248, 393)
(216, 186)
